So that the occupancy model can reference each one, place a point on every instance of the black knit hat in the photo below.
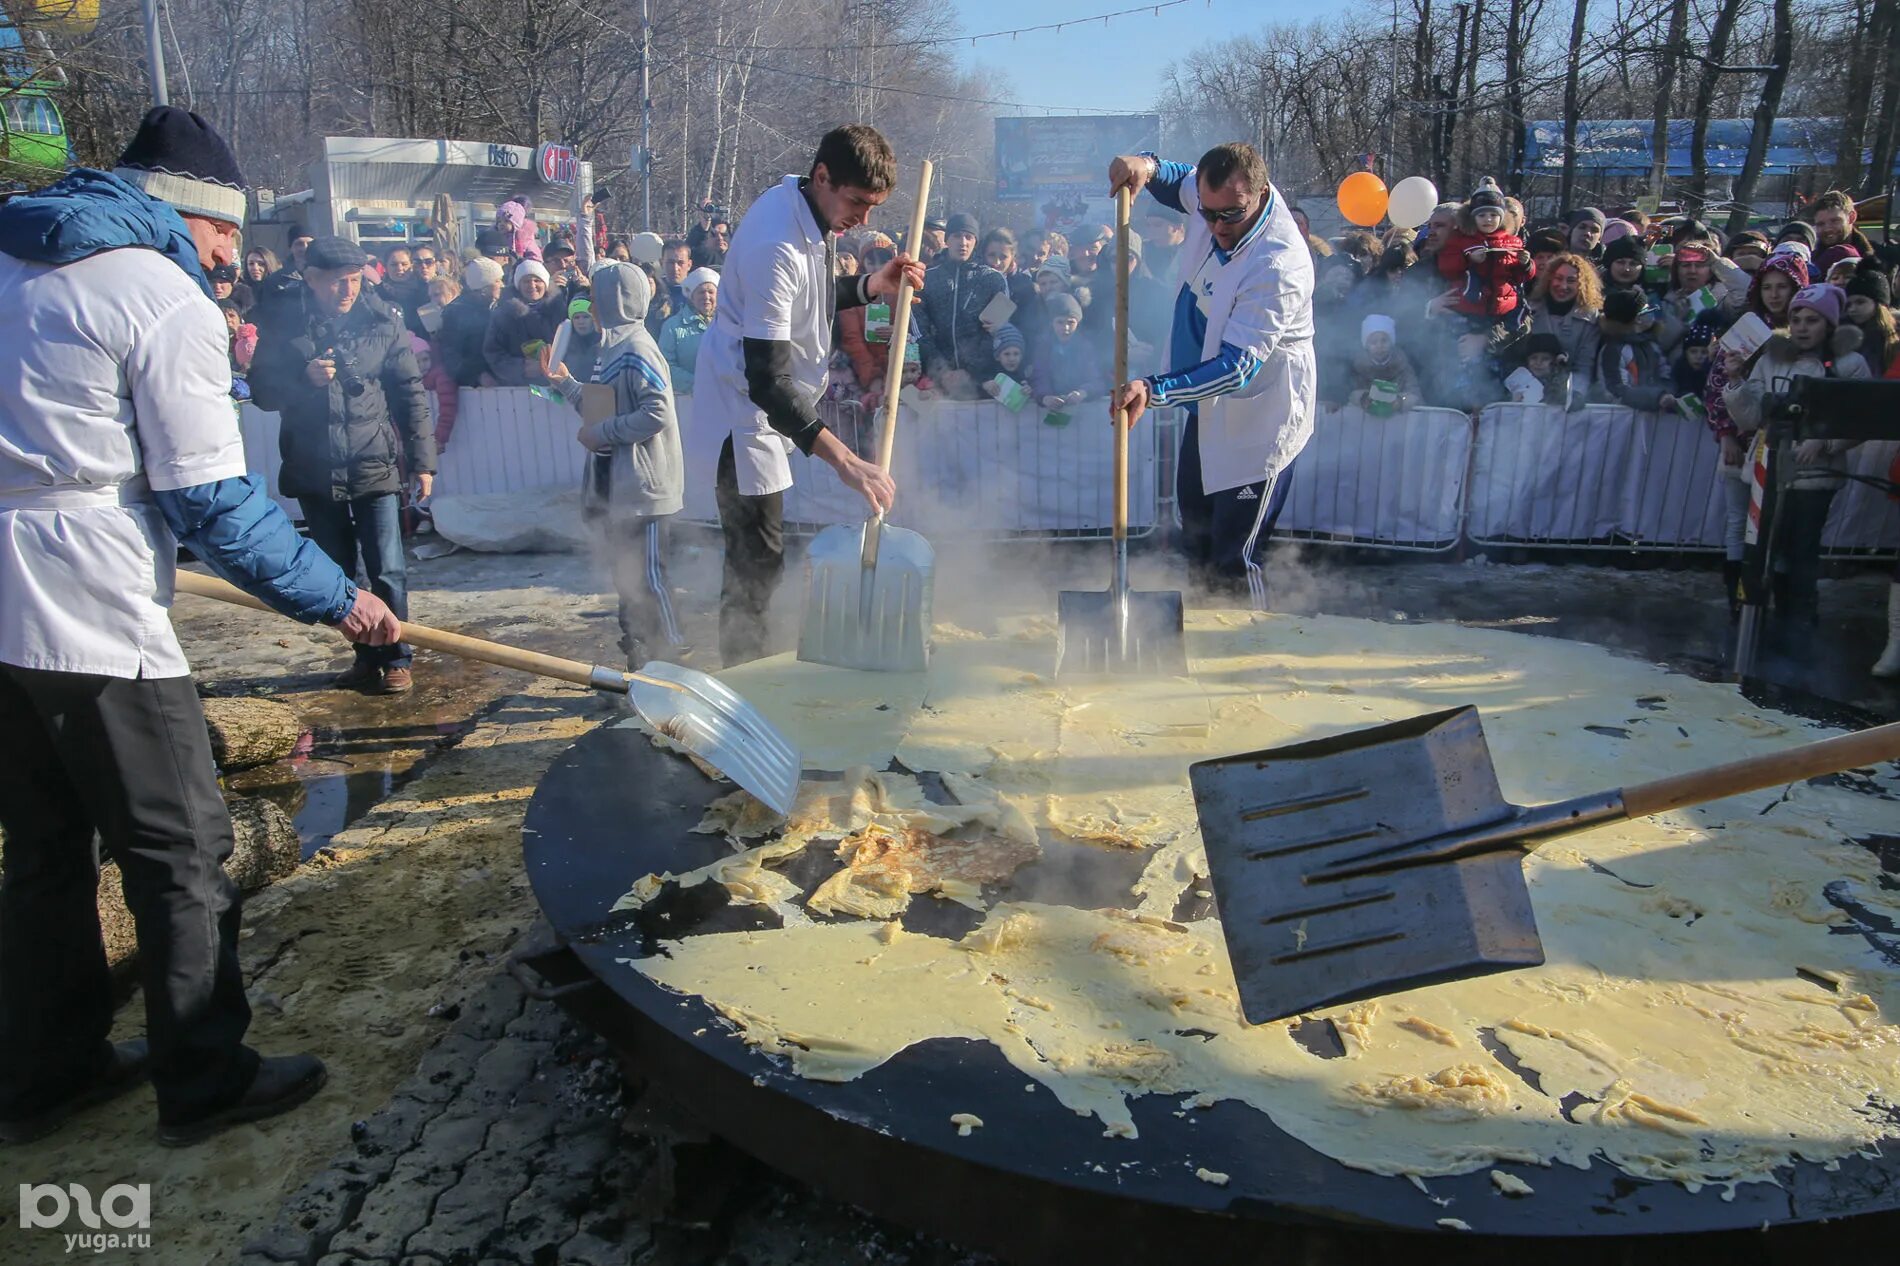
(1870, 282)
(1623, 305)
(177, 157)
(1543, 341)
(961, 222)
(1628, 246)
(1551, 240)
(1705, 329)
(1797, 230)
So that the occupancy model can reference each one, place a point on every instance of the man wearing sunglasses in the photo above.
(1240, 355)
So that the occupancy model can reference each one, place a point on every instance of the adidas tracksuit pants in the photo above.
(1222, 532)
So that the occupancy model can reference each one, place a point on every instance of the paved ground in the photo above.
(466, 1123)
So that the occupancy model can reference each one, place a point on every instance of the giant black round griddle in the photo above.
(1038, 1183)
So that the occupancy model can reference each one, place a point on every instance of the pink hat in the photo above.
(1826, 300)
(1615, 229)
(418, 345)
(1825, 261)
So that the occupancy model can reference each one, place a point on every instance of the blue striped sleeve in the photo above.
(1166, 186)
(1231, 370)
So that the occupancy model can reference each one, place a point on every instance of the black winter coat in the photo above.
(458, 344)
(336, 445)
(954, 293)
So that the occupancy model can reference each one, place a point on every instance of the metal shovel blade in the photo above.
(707, 718)
(867, 604)
(1272, 819)
(1097, 634)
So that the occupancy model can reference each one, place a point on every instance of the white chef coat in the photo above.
(777, 283)
(115, 379)
(1260, 299)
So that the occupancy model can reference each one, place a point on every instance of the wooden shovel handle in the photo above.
(420, 635)
(1121, 361)
(1829, 756)
(900, 328)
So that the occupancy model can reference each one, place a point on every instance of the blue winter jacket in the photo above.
(231, 524)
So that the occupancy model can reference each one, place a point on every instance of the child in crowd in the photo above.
(1623, 262)
(636, 472)
(1486, 260)
(1013, 381)
(1690, 371)
(1869, 309)
(1837, 264)
(1747, 249)
(1068, 370)
(1383, 379)
(1630, 362)
(1544, 377)
(577, 341)
(913, 385)
(437, 381)
(243, 338)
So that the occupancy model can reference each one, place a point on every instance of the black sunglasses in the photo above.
(1232, 215)
(425, 259)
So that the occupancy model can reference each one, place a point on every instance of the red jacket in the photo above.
(1500, 276)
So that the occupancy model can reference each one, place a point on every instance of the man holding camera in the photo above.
(340, 373)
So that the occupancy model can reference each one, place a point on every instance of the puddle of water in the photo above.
(361, 748)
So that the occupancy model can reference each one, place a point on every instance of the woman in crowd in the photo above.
(711, 249)
(680, 336)
(1815, 345)
(1869, 309)
(522, 325)
(1566, 300)
(1693, 286)
(465, 321)
(259, 263)
(577, 341)
(999, 250)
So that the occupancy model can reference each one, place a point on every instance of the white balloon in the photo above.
(1412, 201)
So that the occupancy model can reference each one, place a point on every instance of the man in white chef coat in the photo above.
(117, 442)
(762, 366)
(1240, 356)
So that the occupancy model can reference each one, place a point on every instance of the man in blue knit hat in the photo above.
(117, 443)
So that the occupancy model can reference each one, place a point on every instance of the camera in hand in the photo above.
(347, 375)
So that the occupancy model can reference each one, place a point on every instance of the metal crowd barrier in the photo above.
(1395, 483)
(1522, 476)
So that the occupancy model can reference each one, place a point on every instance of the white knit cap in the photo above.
(1378, 324)
(479, 274)
(530, 268)
(645, 248)
(700, 277)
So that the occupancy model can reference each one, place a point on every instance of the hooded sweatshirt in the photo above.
(646, 473)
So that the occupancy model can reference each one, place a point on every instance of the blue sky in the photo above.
(1115, 68)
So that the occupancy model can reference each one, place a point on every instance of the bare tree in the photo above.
(1766, 111)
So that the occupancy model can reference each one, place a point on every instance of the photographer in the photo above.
(340, 372)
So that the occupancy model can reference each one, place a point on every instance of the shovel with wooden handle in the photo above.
(868, 590)
(700, 713)
(1120, 631)
(1387, 858)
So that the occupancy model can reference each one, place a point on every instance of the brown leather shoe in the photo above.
(360, 676)
(397, 681)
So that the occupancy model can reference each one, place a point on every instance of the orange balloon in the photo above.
(1362, 199)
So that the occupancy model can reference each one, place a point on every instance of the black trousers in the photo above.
(754, 530)
(130, 761)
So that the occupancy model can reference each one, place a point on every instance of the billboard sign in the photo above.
(1044, 158)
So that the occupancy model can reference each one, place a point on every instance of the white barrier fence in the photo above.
(1529, 476)
(1607, 477)
(1395, 482)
